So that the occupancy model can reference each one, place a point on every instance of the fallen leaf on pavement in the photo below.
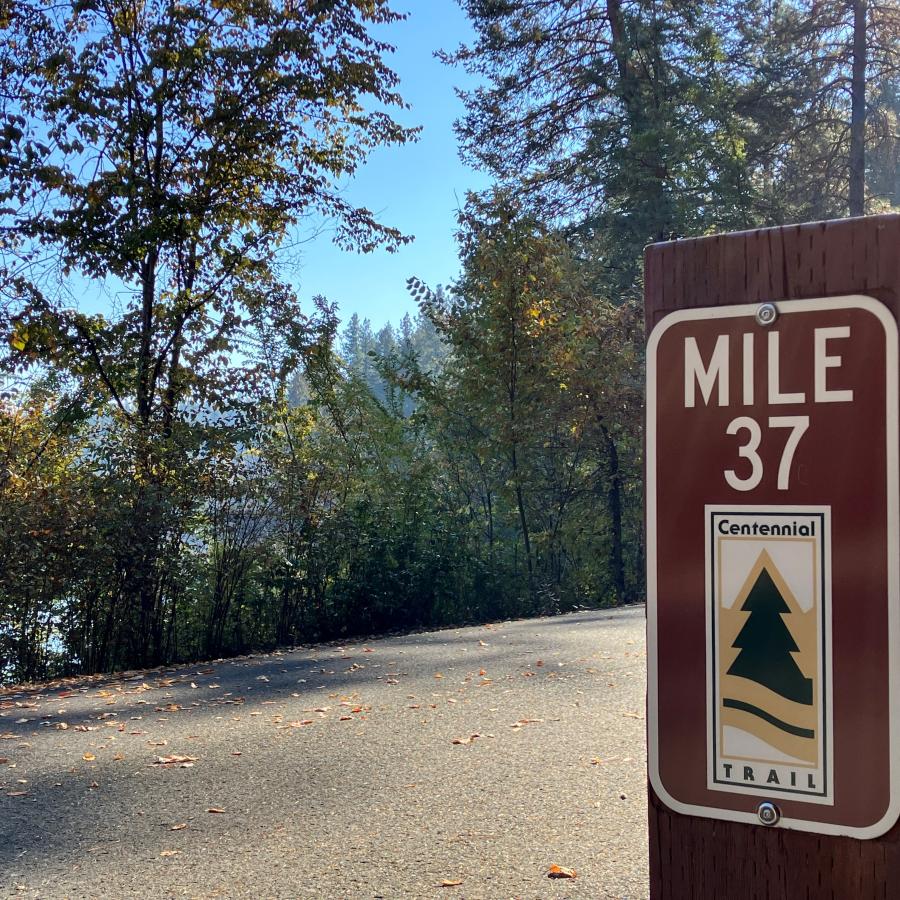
(215, 809)
(451, 882)
(169, 852)
(561, 872)
(17, 794)
(184, 762)
(465, 740)
(523, 722)
(89, 757)
(179, 827)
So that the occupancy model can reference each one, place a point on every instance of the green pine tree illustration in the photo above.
(766, 644)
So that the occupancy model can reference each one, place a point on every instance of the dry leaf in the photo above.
(89, 757)
(17, 793)
(183, 762)
(170, 852)
(215, 809)
(561, 872)
(597, 761)
(465, 740)
(179, 827)
(451, 882)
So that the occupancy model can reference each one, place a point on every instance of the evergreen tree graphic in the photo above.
(766, 644)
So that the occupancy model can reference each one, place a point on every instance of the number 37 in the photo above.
(748, 450)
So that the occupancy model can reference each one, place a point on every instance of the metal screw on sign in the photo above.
(768, 813)
(766, 314)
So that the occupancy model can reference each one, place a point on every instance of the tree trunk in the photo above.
(857, 204)
(614, 507)
(523, 521)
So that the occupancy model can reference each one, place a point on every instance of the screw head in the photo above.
(766, 313)
(768, 813)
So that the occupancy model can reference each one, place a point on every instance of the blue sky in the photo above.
(416, 188)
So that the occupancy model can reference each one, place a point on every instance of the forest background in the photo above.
(208, 468)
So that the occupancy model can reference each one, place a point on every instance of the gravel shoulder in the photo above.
(481, 755)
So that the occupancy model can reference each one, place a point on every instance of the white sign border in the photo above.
(785, 307)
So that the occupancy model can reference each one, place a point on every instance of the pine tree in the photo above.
(766, 644)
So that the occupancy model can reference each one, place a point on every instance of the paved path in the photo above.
(332, 772)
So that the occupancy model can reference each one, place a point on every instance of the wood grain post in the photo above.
(692, 857)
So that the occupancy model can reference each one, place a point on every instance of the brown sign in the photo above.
(774, 564)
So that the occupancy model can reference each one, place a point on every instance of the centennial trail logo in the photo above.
(769, 651)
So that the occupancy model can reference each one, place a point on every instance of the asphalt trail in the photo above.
(336, 772)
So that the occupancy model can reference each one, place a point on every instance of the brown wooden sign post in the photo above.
(773, 548)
